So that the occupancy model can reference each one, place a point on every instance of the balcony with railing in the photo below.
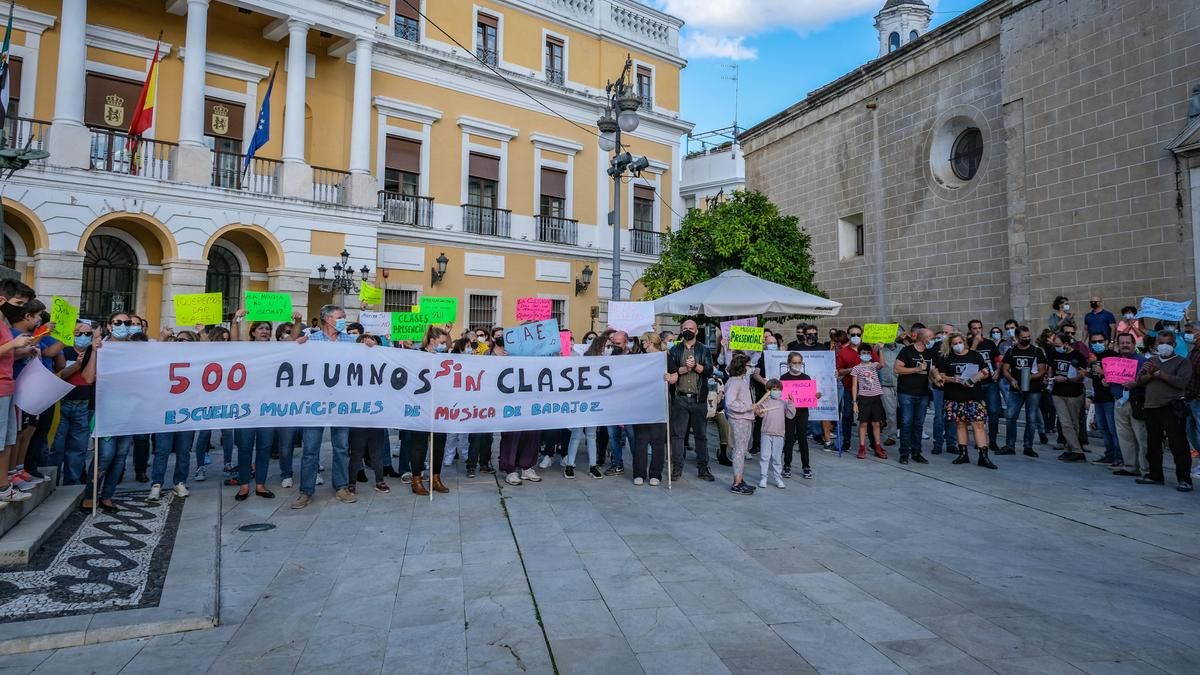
(21, 133)
(486, 220)
(405, 209)
(327, 184)
(646, 242)
(113, 152)
(488, 56)
(259, 177)
(406, 29)
(557, 230)
(555, 76)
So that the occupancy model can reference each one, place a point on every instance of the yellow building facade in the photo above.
(402, 133)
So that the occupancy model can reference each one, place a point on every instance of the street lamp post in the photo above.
(343, 277)
(620, 114)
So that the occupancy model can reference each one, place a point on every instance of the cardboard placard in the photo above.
(262, 306)
(1118, 369)
(533, 339)
(369, 294)
(745, 338)
(880, 333)
(564, 337)
(409, 326)
(802, 393)
(64, 317)
(439, 310)
(534, 309)
(199, 308)
(376, 323)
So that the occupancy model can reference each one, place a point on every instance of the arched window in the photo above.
(109, 278)
(967, 153)
(893, 42)
(912, 35)
(225, 277)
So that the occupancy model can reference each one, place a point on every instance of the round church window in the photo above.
(967, 154)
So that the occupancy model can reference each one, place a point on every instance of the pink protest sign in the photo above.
(802, 393)
(564, 338)
(725, 325)
(1119, 370)
(534, 309)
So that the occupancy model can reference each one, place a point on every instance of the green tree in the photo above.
(746, 232)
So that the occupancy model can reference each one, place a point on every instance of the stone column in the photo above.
(192, 161)
(180, 276)
(58, 273)
(361, 187)
(295, 175)
(67, 140)
(294, 282)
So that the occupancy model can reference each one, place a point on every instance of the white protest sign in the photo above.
(634, 318)
(38, 388)
(376, 323)
(820, 367)
(168, 386)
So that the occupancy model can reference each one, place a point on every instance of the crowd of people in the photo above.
(975, 382)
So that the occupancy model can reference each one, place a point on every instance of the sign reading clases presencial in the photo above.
(746, 338)
(409, 326)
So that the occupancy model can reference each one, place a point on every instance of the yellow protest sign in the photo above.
(745, 338)
(370, 295)
(64, 317)
(880, 333)
(198, 308)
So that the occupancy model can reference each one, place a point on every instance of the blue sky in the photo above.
(784, 49)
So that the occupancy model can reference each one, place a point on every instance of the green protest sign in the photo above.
(64, 317)
(440, 310)
(409, 325)
(261, 306)
(745, 338)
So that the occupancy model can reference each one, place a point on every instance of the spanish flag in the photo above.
(143, 114)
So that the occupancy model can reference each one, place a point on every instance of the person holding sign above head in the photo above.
(648, 436)
(253, 445)
(692, 364)
(796, 428)
(1166, 377)
(959, 371)
(1024, 369)
(331, 328)
(1067, 370)
(913, 366)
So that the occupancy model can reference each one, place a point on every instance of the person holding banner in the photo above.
(648, 436)
(1166, 377)
(114, 450)
(436, 341)
(253, 445)
(796, 427)
(588, 434)
(959, 370)
(692, 364)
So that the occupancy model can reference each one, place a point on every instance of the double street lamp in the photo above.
(343, 276)
(620, 114)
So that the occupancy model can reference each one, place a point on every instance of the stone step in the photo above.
(19, 544)
(11, 513)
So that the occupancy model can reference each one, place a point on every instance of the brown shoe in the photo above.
(437, 484)
(418, 486)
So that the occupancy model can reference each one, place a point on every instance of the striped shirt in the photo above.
(868, 380)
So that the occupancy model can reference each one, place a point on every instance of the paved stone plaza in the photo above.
(871, 567)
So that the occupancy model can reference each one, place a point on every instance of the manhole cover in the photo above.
(256, 527)
(1147, 510)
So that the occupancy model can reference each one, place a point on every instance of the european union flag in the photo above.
(262, 130)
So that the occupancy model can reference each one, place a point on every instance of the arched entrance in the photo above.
(23, 235)
(110, 278)
(225, 277)
(240, 258)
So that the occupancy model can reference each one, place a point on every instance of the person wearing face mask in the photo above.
(739, 408)
(331, 328)
(960, 370)
(1048, 420)
(913, 367)
(796, 428)
(1193, 390)
(24, 319)
(866, 397)
(76, 408)
(437, 341)
(1067, 371)
(1166, 377)
(1061, 313)
(846, 360)
(991, 390)
(1129, 414)
(113, 450)
(775, 413)
(1104, 400)
(1129, 323)
(1009, 339)
(692, 363)
(1024, 369)
(1099, 320)
(941, 432)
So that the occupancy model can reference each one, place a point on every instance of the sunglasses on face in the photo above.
(82, 334)
(122, 323)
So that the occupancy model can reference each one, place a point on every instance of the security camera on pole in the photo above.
(620, 114)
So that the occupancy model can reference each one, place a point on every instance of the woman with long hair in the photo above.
(585, 434)
(739, 408)
(253, 445)
(959, 370)
(649, 436)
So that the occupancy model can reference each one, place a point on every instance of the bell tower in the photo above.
(900, 22)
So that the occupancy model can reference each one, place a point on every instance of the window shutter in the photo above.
(109, 101)
(643, 72)
(484, 167)
(554, 183)
(403, 155)
(643, 192)
(14, 84)
(488, 20)
(551, 40)
(405, 10)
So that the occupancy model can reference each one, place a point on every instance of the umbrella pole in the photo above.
(667, 392)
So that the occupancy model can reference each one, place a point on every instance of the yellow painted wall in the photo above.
(152, 302)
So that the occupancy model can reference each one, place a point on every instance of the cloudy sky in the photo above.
(783, 48)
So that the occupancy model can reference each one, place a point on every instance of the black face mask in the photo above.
(1095, 305)
(1024, 341)
(811, 339)
(688, 335)
(12, 312)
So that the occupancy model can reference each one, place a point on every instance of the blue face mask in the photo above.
(930, 344)
(1189, 337)
(772, 347)
(439, 348)
(340, 326)
(1012, 332)
(864, 357)
(1097, 347)
(83, 341)
(120, 332)
(134, 330)
(1062, 350)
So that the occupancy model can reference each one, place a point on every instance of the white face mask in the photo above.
(1066, 308)
(796, 370)
(1166, 351)
(855, 340)
(959, 348)
(1129, 317)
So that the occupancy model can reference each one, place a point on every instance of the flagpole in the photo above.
(264, 107)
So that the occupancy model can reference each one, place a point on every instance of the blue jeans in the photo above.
(1193, 423)
(991, 397)
(339, 438)
(1106, 422)
(911, 411)
(114, 450)
(614, 442)
(254, 449)
(204, 438)
(1033, 415)
(285, 441)
(940, 437)
(179, 442)
(577, 435)
(71, 442)
(846, 423)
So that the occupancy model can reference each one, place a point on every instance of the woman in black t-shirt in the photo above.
(959, 371)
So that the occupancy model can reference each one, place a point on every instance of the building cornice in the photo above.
(404, 110)
(123, 42)
(562, 146)
(486, 129)
(231, 67)
(28, 20)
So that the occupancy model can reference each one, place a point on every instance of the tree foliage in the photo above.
(745, 232)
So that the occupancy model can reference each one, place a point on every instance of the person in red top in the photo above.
(12, 295)
(845, 361)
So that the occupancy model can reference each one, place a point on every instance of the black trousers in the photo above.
(1164, 422)
(141, 453)
(687, 410)
(419, 448)
(796, 431)
(554, 442)
(479, 450)
(654, 438)
(369, 443)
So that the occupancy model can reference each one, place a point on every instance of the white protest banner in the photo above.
(820, 367)
(170, 386)
(376, 323)
(1152, 308)
(38, 388)
(634, 318)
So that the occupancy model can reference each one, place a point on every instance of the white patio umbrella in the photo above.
(736, 293)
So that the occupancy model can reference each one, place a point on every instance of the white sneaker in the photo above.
(395, 454)
(638, 481)
(14, 495)
(21, 484)
(285, 483)
(513, 478)
(779, 483)
(155, 494)
(547, 460)
(1196, 471)
(320, 481)
(201, 474)
(530, 475)
(407, 477)
(654, 482)
(762, 483)
(181, 490)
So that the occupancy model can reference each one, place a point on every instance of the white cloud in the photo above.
(746, 17)
(700, 45)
